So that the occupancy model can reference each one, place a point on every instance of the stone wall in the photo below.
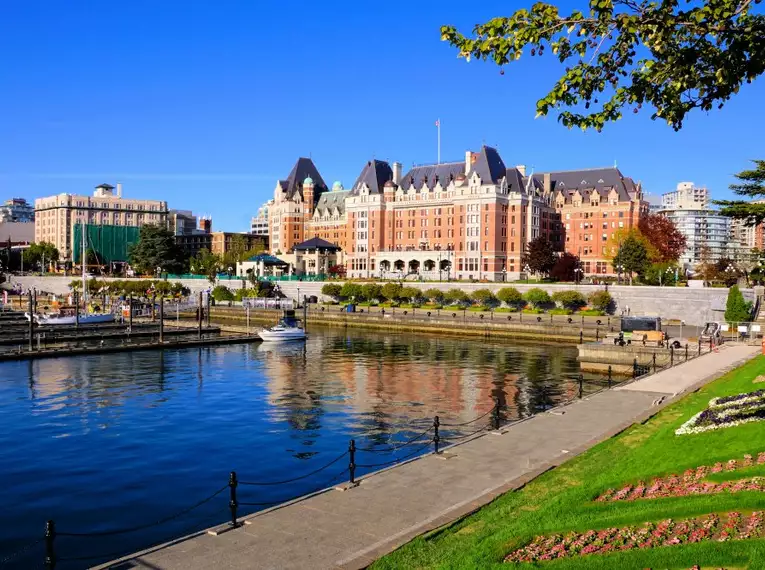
(694, 306)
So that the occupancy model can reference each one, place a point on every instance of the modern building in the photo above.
(182, 222)
(707, 234)
(259, 223)
(191, 244)
(56, 216)
(686, 196)
(17, 210)
(468, 219)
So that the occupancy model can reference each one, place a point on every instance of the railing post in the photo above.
(699, 354)
(130, 312)
(436, 437)
(654, 363)
(671, 356)
(495, 415)
(710, 344)
(597, 334)
(50, 553)
(31, 322)
(352, 461)
(581, 337)
(161, 320)
(200, 309)
(610, 376)
(581, 386)
(634, 368)
(686, 352)
(232, 503)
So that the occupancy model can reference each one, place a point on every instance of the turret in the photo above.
(307, 199)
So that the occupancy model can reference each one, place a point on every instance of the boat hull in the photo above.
(273, 336)
(72, 320)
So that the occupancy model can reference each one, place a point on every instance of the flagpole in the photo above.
(438, 122)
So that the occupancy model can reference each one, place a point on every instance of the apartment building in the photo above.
(17, 210)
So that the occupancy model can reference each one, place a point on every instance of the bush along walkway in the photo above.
(655, 496)
(353, 528)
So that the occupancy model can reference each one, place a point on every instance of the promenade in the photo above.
(352, 528)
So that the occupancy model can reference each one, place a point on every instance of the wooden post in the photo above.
(161, 320)
(199, 316)
(31, 322)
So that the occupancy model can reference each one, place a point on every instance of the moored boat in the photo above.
(288, 328)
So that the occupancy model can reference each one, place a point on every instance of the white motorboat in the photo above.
(287, 329)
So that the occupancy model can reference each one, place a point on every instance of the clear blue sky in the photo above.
(207, 104)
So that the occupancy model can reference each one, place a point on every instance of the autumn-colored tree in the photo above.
(668, 244)
(622, 54)
(540, 256)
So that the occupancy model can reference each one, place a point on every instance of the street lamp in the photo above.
(578, 274)
(298, 299)
(668, 271)
(504, 274)
(619, 268)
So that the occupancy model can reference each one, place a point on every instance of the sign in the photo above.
(756, 328)
(743, 328)
(724, 328)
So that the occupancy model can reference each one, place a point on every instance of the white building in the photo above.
(17, 210)
(259, 223)
(687, 196)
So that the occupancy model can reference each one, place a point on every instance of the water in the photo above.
(115, 441)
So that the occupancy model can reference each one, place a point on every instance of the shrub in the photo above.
(571, 300)
(372, 291)
(352, 291)
(456, 297)
(511, 297)
(483, 297)
(222, 293)
(737, 310)
(533, 311)
(537, 297)
(391, 291)
(435, 295)
(411, 293)
(561, 311)
(601, 301)
(331, 290)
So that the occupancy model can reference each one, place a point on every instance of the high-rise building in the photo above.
(707, 234)
(56, 216)
(468, 219)
(686, 196)
(259, 223)
(182, 222)
(17, 210)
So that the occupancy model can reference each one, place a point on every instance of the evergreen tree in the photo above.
(540, 256)
(156, 247)
(633, 256)
(737, 310)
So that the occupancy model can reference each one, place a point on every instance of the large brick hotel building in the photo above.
(466, 220)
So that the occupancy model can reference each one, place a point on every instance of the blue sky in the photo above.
(207, 104)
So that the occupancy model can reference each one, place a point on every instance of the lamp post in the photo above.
(527, 270)
(619, 268)
(578, 274)
(298, 295)
(504, 275)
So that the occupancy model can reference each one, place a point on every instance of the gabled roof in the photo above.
(488, 165)
(600, 180)
(331, 200)
(316, 243)
(304, 168)
(374, 174)
(430, 174)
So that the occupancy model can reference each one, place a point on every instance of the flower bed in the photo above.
(729, 526)
(690, 483)
(727, 411)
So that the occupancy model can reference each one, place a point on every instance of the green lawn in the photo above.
(562, 499)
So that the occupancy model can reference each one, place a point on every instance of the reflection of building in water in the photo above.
(393, 380)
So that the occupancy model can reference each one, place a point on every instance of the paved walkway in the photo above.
(351, 529)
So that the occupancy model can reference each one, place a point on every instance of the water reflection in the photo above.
(82, 438)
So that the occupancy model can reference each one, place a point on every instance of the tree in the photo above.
(352, 291)
(412, 294)
(331, 290)
(601, 301)
(537, 297)
(752, 185)
(372, 291)
(540, 256)
(672, 56)
(156, 247)
(632, 256)
(564, 267)
(661, 274)
(456, 297)
(337, 271)
(36, 252)
(483, 297)
(511, 297)
(737, 310)
(667, 241)
(391, 291)
(222, 293)
(206, 263)
(434, 295)
(569, 299)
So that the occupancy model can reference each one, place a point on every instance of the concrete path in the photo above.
(351, 529)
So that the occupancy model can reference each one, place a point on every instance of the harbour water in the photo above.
(119, 441)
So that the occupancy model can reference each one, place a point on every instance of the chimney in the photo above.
(468, 162)
(522, 169)
(397, 173)
(119, 189)
(547, 182)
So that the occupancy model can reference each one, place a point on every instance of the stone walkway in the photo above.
(351, 529)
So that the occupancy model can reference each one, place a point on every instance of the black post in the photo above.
(436, 438)
(208, 308)
(654, 363)
(699, 347)
(610, 376)
(686, 352)
(581, 386)
(233, 504)
(634, 368)
(130, 312)
(76, 309)
(199, 316)
(597, 334)
(153, 314)
(581, 337)
(671, 356)
(352, 461)
(50, 554)
(305, 311)
(495, 415)
(31, 321)
(161, 320)
(710, 344)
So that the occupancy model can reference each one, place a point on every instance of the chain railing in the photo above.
(430, 440)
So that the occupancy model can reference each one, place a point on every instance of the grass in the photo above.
(560, 311)
(561, 500)
(592, 313)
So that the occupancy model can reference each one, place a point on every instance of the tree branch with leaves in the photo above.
(623, 54)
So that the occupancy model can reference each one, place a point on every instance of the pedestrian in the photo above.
(627, 307)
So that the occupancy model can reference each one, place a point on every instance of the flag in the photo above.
(438, 122)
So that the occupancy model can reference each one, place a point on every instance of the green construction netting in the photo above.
(109, 242)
